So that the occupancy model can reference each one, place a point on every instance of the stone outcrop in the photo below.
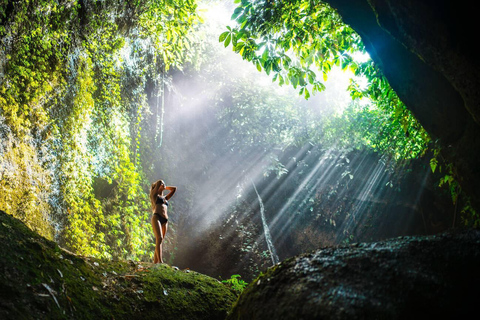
(39, 280)
(426, 50)
(433, 277)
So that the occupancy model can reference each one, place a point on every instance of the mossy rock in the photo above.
(39, 280)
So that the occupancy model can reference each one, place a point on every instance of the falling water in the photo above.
(268, 238)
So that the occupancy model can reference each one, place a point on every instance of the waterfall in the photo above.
(266, 230)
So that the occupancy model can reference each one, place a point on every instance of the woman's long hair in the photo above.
(152, 196)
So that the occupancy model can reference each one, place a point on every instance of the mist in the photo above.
(201, 146)
(228, 128)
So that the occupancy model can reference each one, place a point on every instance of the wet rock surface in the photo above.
(435, 277)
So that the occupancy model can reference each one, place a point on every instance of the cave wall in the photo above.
(425, 49)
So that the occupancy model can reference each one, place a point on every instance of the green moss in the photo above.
(40, 280)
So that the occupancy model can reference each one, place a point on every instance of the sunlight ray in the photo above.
(280, 216)
(223, 185)
(363, 196)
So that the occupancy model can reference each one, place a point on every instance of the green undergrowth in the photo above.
(236, 283)
(39, 280)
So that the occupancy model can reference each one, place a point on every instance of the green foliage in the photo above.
(256, 118)
(449, 180)
(301, 41)
(34, 42)
(72, 107)
(470, 216)
(167, 25)
(398, 131)
(236, 283)
(25, 185)
(289, 37)
(366, 126)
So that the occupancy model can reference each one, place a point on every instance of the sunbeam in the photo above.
(221, 137)
(264, 168)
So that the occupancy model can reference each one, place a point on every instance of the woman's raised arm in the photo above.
(171, 193)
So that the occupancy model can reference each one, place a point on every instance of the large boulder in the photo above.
(39, 280)
(426, 50)
(433, 277)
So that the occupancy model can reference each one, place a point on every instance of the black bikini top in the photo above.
(161, 200)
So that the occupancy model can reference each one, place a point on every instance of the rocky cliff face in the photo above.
(39, 280)
(432, 277)
(425, 49)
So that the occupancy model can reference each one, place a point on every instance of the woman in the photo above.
(160, 217)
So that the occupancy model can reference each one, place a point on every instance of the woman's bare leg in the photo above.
(164, 229)
(157, 230)
(158, 249)
(164, 232)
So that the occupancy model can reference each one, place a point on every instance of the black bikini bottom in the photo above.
(163, 220)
